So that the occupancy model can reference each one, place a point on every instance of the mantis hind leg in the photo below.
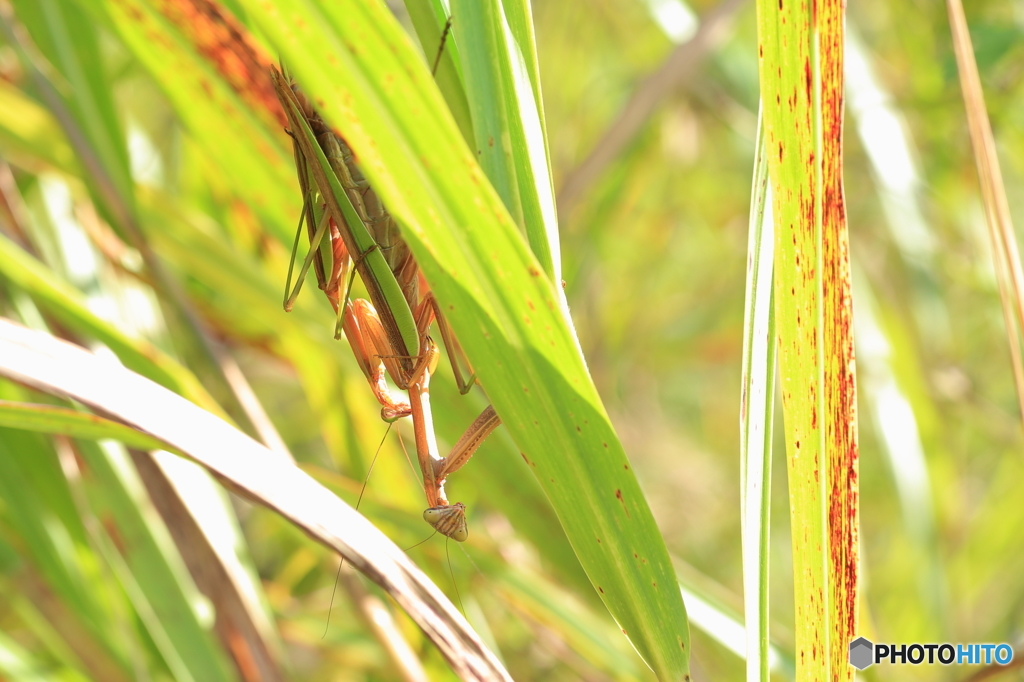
(314, 253)
(430, 310)
(468, 444)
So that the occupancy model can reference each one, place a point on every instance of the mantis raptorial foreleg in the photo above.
(449, 519)
(445, 518)
(358, 321)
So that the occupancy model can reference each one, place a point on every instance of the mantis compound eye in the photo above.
(449, 520)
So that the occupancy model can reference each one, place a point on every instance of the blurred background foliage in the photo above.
(653, 249)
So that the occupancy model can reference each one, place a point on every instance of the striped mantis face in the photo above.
(449, 520)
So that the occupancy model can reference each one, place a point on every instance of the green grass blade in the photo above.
(506, 311)
(505, 102)
(18, 665)
(66, 422)
(801, 88)
(42, 521)
(63, 32)
(528, 131)
(150, 568)
(756, 419)
(227, 105)
(30, 136)
(481, 45)
(68, 305)
(429, 18)
(34, 493)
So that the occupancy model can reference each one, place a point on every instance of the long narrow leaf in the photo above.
(228, 108)
(756, 412)
(801, 62)
(149, 567)
(429, 19)
(1009, 272)
(504, 96)
(65, 422)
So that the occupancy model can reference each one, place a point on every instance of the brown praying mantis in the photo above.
(347, 223)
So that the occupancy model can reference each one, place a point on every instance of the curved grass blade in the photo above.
(50, 365)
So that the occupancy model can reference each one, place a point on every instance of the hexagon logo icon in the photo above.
(861, 653)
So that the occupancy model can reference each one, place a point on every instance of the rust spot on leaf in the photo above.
(618, 495)
(808, 79)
